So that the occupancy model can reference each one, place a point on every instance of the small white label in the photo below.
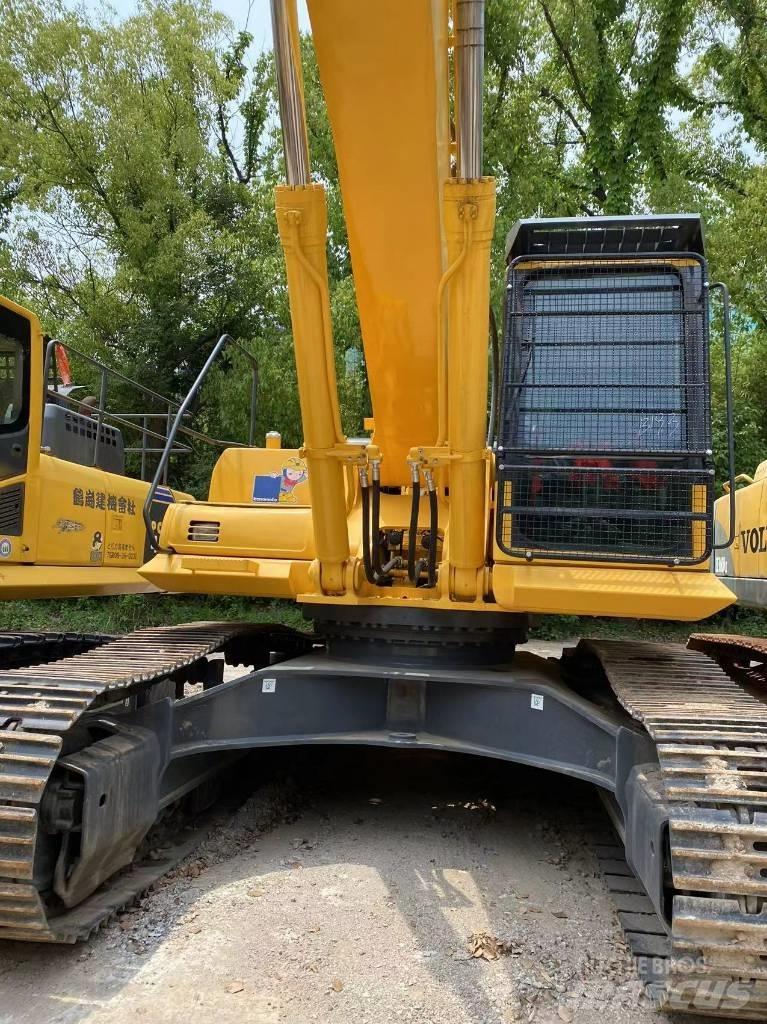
(536, 701)
(269, 686)
(5, 548)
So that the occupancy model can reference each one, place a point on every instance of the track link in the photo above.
(20, 649)
(711, 735)
(38, 706)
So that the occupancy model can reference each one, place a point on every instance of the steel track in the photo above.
(38, 706)
(711, 735)
(709, 726)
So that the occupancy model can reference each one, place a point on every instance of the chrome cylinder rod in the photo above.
(470, 52)
(292, 115)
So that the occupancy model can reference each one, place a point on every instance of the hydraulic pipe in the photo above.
(433, 529)
(470, 54)
(367, 561)
(375, 528)
(290, 91)
(412, 536)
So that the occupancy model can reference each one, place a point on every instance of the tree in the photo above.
(136, 184)
(133, 230)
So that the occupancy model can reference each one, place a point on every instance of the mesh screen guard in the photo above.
(604, 441)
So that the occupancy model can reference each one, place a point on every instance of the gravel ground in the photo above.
(350, 893)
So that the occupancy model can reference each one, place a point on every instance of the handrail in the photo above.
(722, 288)
(741, 478)
(50, 349)
(152, 539)
(143, 419)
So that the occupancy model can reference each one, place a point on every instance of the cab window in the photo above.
(15, 336)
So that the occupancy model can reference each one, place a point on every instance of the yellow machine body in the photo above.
(66, 529)
(743, 565)
(389, 113)
(232, 544)
(419, 239)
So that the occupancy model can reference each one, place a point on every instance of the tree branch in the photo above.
(242, 177)
(566, 56)
(546, 94)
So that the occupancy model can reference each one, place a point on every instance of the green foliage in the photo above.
(568, 627)
(124, 614)
(136, 210)
(135, 235)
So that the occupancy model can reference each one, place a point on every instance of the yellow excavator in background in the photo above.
(418, 553)
(743, 565)
(71, 517)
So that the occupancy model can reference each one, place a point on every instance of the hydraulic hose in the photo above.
(366, 559)
(412, 536)
(375, 529)
(375, 573)
(433, 528)
(420, 566)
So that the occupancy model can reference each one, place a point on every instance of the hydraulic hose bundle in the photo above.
(381, 574)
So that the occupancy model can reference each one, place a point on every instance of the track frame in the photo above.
(675, 744)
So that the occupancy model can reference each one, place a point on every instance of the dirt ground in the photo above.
(358, 907)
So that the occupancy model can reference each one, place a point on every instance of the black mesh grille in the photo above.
(586, 511)
(12, 510)
(604, 441)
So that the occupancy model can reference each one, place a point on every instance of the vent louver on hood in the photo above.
(204, 531)
(12, 510)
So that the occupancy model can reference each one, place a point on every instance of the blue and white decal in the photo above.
(164, 495)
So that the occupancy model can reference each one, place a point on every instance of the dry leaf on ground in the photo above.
(484, 946)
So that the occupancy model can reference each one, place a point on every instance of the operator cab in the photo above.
(15, 343)
(604, 445)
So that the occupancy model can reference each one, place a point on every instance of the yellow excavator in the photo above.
(71, 516)
(419, 552)
(743, 565)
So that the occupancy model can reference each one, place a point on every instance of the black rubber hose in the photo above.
(433, 526)
(366, 560)
(412, 537)
(420, 566)
(375, 530)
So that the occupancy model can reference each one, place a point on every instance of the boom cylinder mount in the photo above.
(302, 220)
